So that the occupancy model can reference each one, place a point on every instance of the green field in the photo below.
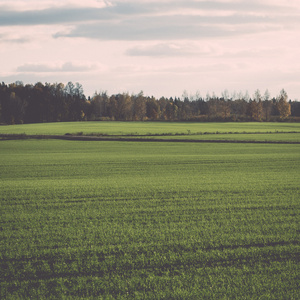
(282, 132)
(279, 132)
(130, 220)
(147, 128)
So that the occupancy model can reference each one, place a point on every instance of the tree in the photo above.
(17, 109)
(185, 95)
(255, 110)
(225, 95)
(225, 109)
(152, 109)
(113, 108)
(139, 107)
(267, 105)
(124, 107)
(186, 110)
(162, 107)
(256, 107)
(171, 111)
(78, 91)
(239, 108)
(266, 95)
(70, 89)
(99, 105)
(212, 106)
(57, 91)
(284, 108)
(56, 102)
(295, 109)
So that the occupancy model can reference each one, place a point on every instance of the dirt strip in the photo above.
(132, 139)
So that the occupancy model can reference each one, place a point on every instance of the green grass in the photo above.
(146, 128)
(283, 132)
(280, 132)
(120, 220)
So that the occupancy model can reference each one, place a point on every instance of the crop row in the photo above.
(129, 220)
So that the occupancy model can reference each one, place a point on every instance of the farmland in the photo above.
(124, 220)
(269, 132)
(149, 128)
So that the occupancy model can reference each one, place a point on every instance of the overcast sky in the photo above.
(162, 47)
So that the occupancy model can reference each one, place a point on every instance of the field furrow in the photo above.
(129, 220)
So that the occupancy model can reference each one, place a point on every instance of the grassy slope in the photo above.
(149, 220)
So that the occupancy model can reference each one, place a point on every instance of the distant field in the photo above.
(283, 132)
(147, 128)
(121, 220)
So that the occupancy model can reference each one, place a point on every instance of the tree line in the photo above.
(57, 102)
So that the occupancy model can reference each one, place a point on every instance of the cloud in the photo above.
(118, 13)
(46, 67)
(49, 16)
(157, 50)
(162, 46)
(168, 50)
(6, 38)
(170, 28)
(183, 20)
(152, 20)
(16, 41)
(36, 5)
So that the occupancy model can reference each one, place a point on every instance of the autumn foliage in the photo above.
(59, 103)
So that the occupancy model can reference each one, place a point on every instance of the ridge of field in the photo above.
(261, 137)
(122, 220)
(148, 128)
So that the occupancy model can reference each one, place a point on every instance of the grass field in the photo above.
(147, 128)
(121, 220)
(272, 132)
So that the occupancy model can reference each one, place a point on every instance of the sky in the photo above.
(160, 47)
